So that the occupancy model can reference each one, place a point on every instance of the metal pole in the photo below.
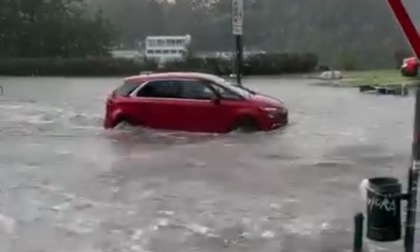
(239, 57)
(406, 24)
(358, 233)
(409, 30)
(237, 31)
(413, 176)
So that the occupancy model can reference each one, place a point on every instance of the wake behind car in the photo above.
(195, 102)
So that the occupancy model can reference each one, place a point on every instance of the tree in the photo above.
(366, 27)
(59, 28)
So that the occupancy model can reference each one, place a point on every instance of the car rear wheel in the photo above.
(125, 123)
(245, 124)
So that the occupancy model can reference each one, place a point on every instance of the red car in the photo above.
(410, 67)
(194, 102)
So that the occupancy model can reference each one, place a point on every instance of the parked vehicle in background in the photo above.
(410, 67)
(193, 102)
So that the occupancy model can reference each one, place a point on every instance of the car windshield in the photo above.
(235, 87)
(125, 89)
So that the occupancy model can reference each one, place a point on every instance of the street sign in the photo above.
(237, 30)
(237, 17)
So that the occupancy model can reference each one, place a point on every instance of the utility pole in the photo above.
(237, 31)
(413, 38)
(413, 177)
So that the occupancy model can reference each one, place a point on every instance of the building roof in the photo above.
(169, 37)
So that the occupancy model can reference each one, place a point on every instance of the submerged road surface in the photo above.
(66, 185)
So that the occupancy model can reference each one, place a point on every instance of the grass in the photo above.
(376, 77)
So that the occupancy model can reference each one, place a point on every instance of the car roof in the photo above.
(168, 75)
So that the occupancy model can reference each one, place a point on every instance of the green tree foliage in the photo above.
(68, 28)
(52, 28)
(346, 60)
(363, 27)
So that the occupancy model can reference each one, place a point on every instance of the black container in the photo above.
(384, 210)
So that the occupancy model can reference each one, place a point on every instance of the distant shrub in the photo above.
(281, 63)
(400, 55)
(73, 67)
(257, 64)
(260, 64)
(216, 66)
(347, 60)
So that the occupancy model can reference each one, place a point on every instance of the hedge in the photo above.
(278, 63)
(262, 64)
(72, 67)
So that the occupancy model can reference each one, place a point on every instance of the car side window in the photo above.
(225, 93)
(160, 89)
(196, 90)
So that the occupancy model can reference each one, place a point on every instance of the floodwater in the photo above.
(67, 185)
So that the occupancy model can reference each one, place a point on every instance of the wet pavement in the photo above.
(66, 185)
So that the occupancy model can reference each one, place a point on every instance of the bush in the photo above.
(281, 63)
(257, 64)
(400, 55)
(347, 60)
(262, 64)
(73, 67)
(216, 66)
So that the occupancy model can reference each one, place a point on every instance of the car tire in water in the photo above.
(125, 123)
(245, 124)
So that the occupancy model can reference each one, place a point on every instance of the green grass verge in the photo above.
(376, 77)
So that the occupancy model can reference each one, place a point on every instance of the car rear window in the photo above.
(126, 89)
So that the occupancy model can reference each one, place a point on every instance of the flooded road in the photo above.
(66, 185)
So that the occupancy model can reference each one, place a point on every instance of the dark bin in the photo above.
(384, 210)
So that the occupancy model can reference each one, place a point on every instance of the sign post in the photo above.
(413, 38)
(237, 31)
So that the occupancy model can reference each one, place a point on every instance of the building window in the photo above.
(150, 51)
(161, 42)
(152, 42)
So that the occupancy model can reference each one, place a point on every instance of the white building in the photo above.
(166, 48)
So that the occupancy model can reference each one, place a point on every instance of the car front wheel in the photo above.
(245, 124)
